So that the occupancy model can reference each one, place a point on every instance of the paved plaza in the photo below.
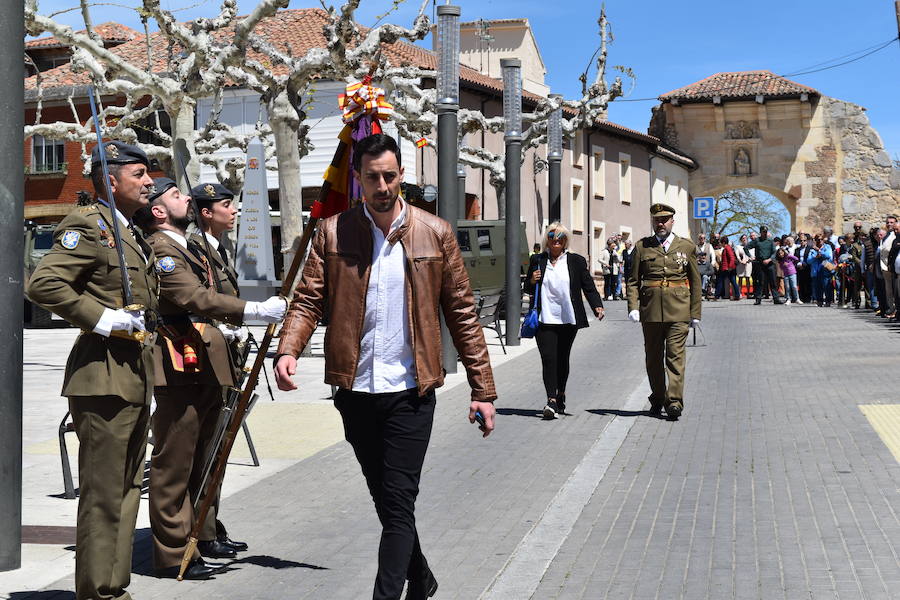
(781, 480)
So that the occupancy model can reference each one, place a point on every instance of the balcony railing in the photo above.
(47, 169)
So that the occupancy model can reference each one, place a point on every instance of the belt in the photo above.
(666, 283)
(145, 338)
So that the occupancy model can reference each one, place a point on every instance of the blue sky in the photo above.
(671, 44)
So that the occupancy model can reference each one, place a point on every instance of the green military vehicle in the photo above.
(38, 242)
(483, 246)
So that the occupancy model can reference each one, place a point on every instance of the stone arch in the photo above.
(789, 203)
(818, 155)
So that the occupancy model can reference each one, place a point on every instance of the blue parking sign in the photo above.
(703, 207)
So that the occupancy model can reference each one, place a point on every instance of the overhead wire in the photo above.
(806, 71)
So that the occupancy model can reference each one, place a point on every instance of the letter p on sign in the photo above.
(703, 207)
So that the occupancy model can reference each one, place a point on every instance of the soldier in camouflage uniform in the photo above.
(664, 295)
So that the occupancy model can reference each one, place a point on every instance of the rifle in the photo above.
(246, 399)
(111, 202)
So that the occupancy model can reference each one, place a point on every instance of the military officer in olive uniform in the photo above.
(664, 295)
(109, 374)
(217, 215)
(192, 366)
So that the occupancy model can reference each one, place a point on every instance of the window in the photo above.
(484, 239)
(598, 183)
(577, 146)
(47, 156)
(147, 128)
(576, 205)
(625, 178)
(462, 238)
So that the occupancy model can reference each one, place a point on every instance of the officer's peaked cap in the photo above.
(661, 210)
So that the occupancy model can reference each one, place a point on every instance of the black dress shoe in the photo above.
(655, 410)
(197, 569)
(673, 410)
(422, 588)
(758, 302)
(236, 546)
(216, 549)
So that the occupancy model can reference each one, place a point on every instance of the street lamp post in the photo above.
(461, 189)
(447, 107)
(12, 191)
(554, 157)
(512, 115)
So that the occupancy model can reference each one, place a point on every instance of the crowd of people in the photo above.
(859, 269)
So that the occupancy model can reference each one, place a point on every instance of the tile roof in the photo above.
(109, 32)
(299, 29)
(739, 84)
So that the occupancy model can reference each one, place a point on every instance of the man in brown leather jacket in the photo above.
(383, 271)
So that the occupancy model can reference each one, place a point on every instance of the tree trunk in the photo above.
(284, 122)
(182, 119)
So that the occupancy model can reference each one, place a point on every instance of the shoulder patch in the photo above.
(70, 239)
(166, 264)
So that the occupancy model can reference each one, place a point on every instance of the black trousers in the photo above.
(554, 342)
(767, 281)
(389, 434)
(804, 284)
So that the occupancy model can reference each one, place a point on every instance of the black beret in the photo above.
(210, 192)
(119, 153)
(160, 186)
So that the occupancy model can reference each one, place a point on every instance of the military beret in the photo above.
(119, 153)
(210, 192)
(661, 210)
(160, 186)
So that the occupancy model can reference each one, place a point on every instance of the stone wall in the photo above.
(818, 155)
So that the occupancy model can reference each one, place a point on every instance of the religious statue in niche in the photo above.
(742, 130)
(741, 162)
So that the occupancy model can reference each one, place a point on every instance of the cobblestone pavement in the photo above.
(774, 483)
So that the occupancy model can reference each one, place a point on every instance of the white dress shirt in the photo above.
(668, 242)
(886, 244)
(179, 239)
(386, 360)
(556, 297)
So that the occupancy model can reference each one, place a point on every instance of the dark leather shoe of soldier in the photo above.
(227, 541)
(216, 549)
(673, 410)
(655, 410)
(198, 569)
(422, 588)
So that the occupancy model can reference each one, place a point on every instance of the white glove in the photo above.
(228, 332)
(120, 320)
(695, 322)
(634, 316)
(270, 311)
(233, 333)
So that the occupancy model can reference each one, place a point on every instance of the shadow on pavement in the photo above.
(272, 562)
(624, 413)
(43, 595)
(521, 412)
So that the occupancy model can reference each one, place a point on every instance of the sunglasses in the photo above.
(558, 235)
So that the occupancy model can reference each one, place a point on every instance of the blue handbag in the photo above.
(530, 323)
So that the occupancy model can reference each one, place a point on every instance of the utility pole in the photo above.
(12, 270)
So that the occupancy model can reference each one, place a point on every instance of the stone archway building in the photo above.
(753, 129)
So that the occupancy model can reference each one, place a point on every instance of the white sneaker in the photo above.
(799, 301)
(787, 302)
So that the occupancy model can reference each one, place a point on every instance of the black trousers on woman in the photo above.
(389, 434)
(554, 342)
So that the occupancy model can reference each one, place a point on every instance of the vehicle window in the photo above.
(462, 238)
(43, 240)
(484, 239)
